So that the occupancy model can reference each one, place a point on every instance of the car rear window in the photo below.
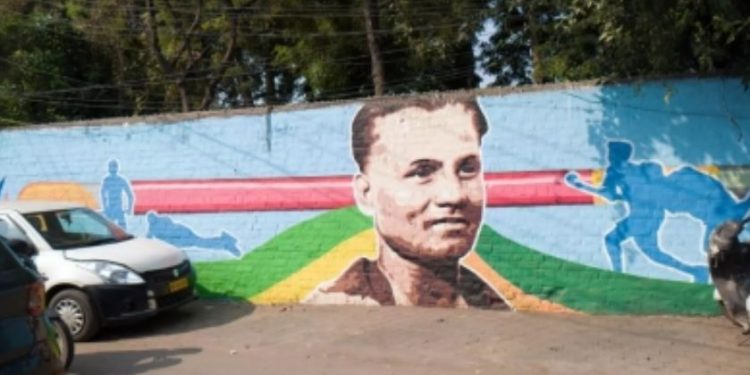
(7, 260)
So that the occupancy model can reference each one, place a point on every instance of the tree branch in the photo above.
(188, 35)
(153, 36)
(210, 89)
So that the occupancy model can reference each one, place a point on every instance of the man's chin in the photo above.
(446, 250)
(434, 248)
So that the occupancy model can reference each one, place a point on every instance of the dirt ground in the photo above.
(236, 338)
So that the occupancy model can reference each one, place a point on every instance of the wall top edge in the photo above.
(167, 118)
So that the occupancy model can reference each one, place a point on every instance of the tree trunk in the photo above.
(209, 92)
(270, 80)
(371, 26)
(169, 66)
(183, 96)
(538, 74)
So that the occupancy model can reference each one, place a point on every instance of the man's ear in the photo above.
(362, 194)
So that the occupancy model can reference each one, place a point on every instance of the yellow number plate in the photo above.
(178, 285)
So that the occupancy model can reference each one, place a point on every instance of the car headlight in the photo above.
(112, 273)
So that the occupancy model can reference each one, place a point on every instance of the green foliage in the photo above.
(79, 59)
(42, 57)
(560, 40)
(425, 46)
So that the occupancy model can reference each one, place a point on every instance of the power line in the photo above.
(206, 73)
(40, 71)
(315, 11)
(177, 75)
(344, 92)
(248, 31)
(167, 78)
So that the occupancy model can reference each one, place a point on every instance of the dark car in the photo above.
(28, 339)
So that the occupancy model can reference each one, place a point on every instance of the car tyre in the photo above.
(75, 309)
(64, 341)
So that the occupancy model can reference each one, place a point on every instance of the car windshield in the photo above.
(74, 228)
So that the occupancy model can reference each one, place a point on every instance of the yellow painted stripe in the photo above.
(329, 266)
(597, 177)
(297, 286)
(513, 295)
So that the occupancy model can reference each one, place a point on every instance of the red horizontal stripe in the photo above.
(533, 189)
(311, 193)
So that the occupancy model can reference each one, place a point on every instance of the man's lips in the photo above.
(451, 221)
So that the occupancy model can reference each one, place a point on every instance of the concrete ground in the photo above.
(225, 338)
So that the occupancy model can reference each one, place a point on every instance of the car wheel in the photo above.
(74, 308)
(64, 342)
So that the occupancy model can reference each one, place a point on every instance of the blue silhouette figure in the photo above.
(167, 230)
(112, 189)
(706, 199)
(648, 194)
(2, 182)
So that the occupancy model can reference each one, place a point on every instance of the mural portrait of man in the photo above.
(421, 180)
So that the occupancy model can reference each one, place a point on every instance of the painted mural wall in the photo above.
(584, 199)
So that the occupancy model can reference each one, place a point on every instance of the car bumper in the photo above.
(124, 303)
(41, 360)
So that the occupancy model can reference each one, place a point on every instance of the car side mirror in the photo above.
(23, 248)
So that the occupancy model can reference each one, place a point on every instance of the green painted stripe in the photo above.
(280, 257)
(591, 289)
(574, 285)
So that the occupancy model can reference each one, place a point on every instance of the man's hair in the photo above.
(363, 125)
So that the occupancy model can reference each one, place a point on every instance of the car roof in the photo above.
(25, 207)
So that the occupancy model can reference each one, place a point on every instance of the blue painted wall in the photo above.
(675, 123)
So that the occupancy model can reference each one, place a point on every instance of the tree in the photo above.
(184, 44)
(421, 45)
(101, 58)
(43, 59)
(557, 40)
(199, 55)
(439, 37)
(116, 27)
(372, 23)
(671, 36)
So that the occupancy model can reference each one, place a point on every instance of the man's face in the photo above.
(424, 183)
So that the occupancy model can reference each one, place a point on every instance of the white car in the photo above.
(96, 273)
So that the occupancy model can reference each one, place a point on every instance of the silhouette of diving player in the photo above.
(167, 230)
(649, 194)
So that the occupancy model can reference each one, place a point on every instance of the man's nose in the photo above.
(450, 191)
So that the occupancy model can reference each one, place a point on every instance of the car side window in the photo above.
(10, 230)
(79, 222)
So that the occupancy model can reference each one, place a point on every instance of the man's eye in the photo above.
(468, 169)
(422, 171)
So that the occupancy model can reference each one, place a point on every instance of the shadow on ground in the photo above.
(195, 316)
(129, 362)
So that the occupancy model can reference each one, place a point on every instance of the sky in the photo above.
(488, 29)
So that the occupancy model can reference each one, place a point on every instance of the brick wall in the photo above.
(592, 198)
